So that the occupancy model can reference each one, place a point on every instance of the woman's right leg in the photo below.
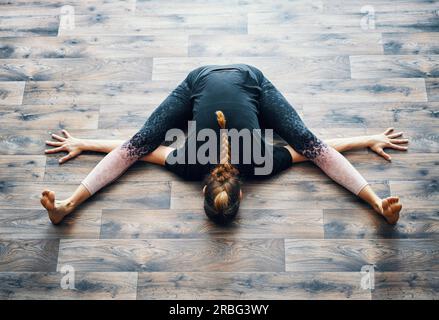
(172, 112)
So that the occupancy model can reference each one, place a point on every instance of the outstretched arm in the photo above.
(376, 143)
(75, 146)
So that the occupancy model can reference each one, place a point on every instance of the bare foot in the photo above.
(57, 210)
(390, 209)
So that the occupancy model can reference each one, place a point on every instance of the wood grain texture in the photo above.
(55, 7)
(21, 26)
(411, 43)
(173, 255)
(376, 116)
(417, 194)
(93, 47)
(406, 286)
(291, 45)
(11, 92)
(22, 168)
(432, 89)
(158, 24)
(50, 117)
(351, 255)
(244, 285)
(135, 224)
(335, 67)
(366, 224)
(28, 255)
(288, 21)
(394, 66)
(32, 142)
(72, 69)
(88, 285)
(34, 224)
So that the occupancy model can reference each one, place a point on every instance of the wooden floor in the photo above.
(298, 236)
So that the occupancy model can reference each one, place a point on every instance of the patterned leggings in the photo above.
(276, 113)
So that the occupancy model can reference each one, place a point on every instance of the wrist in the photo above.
(83, 145)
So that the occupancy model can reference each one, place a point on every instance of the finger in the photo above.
(66, 158)
(57, 137)
(383, 154)
(399, 141)
(54, 150)
(395, 135)
(66, 133)
(397, 147)
(53, 143)
(388, 130)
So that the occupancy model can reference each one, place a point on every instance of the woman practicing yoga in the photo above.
(227, 100)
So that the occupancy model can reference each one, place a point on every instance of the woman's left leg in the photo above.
(278, 114)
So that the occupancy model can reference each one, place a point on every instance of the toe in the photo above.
(51, 196)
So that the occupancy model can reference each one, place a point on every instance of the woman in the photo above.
(218, 97)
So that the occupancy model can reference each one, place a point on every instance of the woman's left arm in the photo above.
(376, 143)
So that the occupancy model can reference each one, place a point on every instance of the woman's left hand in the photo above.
(387, 139)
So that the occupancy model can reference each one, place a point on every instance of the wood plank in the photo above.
(417, 194)
(88, 286)
(55, 7)
(394, 66)
(334, 67)
(158, 24)
(75, 170)
(127, 116)
(432, 89)
(401, 115)
(154, 92)
(289, 21)
(130, 224)
(406, 286)
(93, 47)
(11, 92)
(22, 26)
(50, 117)
(297, 6)
(366, 224)
(254, 286)
(173, 255)
(28, 255)
(351, 255)
(292, 45)
(97, 92)
(34, 224)
(22, 168)
(356, 90)
(30, 142)
(269, 195)
(73, 69)
(122, 195)
(411, 43)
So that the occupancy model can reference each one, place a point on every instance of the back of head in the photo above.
(223, 188)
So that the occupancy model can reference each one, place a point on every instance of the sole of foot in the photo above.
(391, 209)
(56, 214)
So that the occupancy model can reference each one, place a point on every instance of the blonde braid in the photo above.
(224, 145)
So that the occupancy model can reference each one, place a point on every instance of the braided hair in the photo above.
(223, 187)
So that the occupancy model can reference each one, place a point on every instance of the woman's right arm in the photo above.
(75, 146)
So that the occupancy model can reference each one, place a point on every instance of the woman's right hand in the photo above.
(73, 146)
